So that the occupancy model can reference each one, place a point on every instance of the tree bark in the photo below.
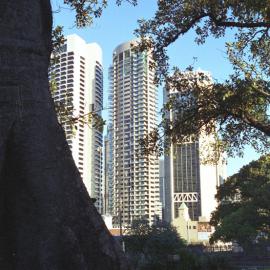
(47, 220)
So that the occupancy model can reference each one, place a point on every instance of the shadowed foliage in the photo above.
(243, 214)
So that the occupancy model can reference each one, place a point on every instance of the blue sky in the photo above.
(116, 26)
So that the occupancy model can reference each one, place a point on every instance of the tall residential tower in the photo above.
(134, 115)
(79, 78)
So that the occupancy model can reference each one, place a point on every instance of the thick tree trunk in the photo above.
(47, 220)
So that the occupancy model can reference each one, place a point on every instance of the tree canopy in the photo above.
(151, 246)
(238, 106)
(243, 214)
(87, 10)
(160, 247)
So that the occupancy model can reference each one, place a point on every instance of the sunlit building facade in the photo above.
(78, 74)
(134, 115)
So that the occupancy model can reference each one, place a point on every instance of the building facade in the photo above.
(134, 114)
(78, 75)
(162, 185)
(193, 231)
(189, 179)
(108, 172)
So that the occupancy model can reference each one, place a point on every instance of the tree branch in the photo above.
(217, 22)
(184, 30)
(238, 24)
(251, 121)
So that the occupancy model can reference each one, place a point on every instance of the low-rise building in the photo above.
(194, 232)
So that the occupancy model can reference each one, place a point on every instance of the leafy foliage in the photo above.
(87, 10)
(175, 18)
(243, 214)
(238, 107)
(58, 40)
(152, 245)
(159, 247)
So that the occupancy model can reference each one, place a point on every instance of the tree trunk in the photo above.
(47, 220)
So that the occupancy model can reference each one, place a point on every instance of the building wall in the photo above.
(162, 185)
(188, 178)
(194, 232)
(109, 151)
(134, 102)
(108, 172)
(79, 78)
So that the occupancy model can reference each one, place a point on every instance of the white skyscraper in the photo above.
(79, 78)
(188, 178)
(134, 114)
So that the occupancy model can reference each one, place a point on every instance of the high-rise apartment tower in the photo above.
(79, 78)
(134, 115)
